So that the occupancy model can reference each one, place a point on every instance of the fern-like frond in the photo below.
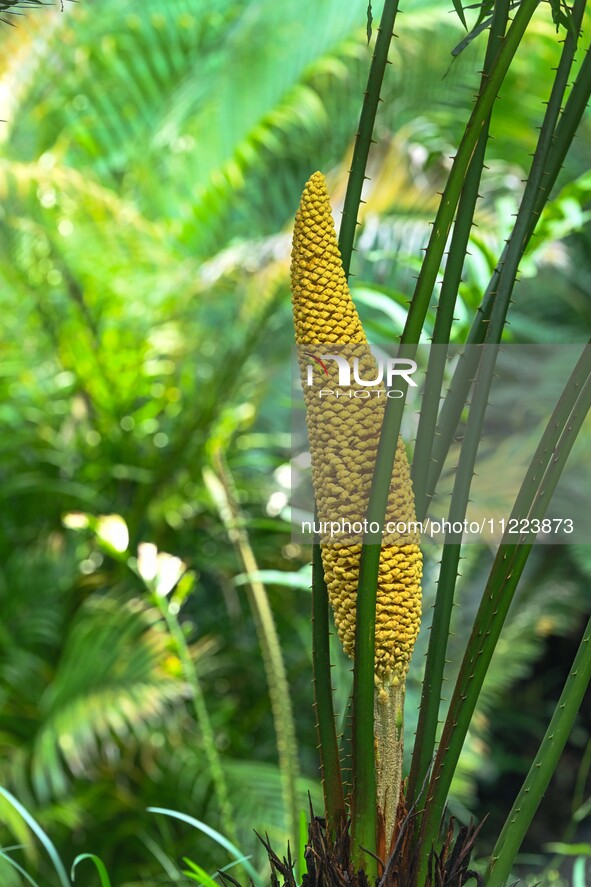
(255, 788)
(11, 7)
(110, 683)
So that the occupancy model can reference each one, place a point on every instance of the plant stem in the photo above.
(542, 768)
(451, 282)
(532, 501)
(363, 765)
(441, 227)
(433, 680)
(222, 489)
(452, 549)
(363, 139)
(332, 782)
(553, 143)
(528, 213)
(451, 195)
(202, 716)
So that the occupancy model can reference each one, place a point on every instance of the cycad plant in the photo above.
(378, 829)
(118, 199)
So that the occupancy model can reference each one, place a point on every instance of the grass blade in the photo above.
(199, 875)
(99, 865)
(302, 844)
(43, 837)
(216, 836)
(170, 868)
(4, 855)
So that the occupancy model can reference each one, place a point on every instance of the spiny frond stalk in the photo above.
(222, 489)
(365, 132)
(330, 765)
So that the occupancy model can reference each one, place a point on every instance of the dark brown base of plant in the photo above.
(329, 864)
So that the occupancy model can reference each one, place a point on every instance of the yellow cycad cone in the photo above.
(344, 432)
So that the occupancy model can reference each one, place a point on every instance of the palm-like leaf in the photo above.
(110, 684)
(8, 5)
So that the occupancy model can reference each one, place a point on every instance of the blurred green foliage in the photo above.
(150, 164)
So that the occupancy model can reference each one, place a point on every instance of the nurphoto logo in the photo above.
(385, 370)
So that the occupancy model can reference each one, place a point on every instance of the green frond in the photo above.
(110, 684)
(14, 5)
(255, 789)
